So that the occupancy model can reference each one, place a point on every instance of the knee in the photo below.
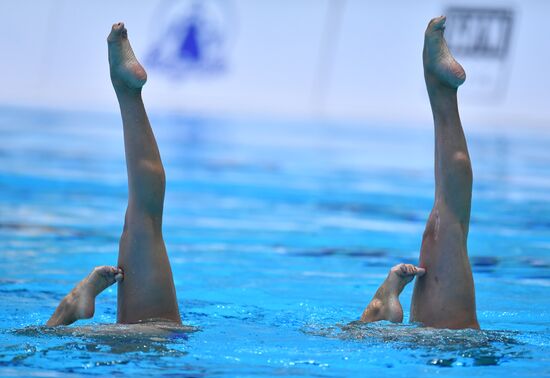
(462, 163)
(153, 171)
(429, 232)
(432, 226)
(461, 168)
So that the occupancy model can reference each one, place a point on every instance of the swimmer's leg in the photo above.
(80, 302)
(148, 289)
(385, 304)
(445, 297)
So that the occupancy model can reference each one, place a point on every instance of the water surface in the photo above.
(279, 233)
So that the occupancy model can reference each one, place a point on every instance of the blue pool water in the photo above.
(279, 233)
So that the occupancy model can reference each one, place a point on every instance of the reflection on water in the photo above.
(154, 330)
(443, 347)
(106, 344)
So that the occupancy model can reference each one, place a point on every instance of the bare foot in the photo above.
(385, 303)
(126, 71)
(80, 302)
(439, 64)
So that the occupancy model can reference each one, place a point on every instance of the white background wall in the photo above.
(338, 59)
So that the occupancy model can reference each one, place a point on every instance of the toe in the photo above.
(403, 270)
(118, 27)
(398, 269)
(411, 269)
(105, 271)
(436, 24)
(118, 31)
(119, 276)
(406, 270)
(420, 271)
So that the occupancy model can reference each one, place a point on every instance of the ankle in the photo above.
(124, 93)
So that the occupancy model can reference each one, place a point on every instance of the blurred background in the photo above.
(330, 59)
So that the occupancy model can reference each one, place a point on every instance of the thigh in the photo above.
(148, 289)
(444, 296)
